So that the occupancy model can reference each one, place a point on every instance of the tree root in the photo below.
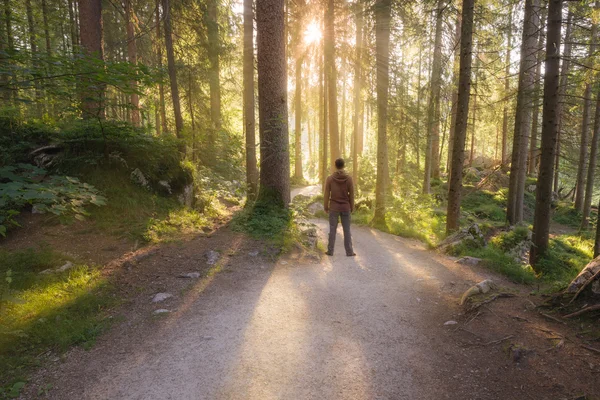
(583, 311)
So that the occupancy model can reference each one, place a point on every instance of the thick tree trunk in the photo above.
(323, 166)
(272, 104)
(134, 98)
(597, 241)
(358, 117)
(214, 43)
(298, 121)
(518, 168)
(541, 224)
(506, 89)
(92, 44)
(39, 104)
(172, 69)
(564, 79)
(455, 73)
(591, 172)
(585, 130)
(418, 114)
(533, 150)
(382, 58)
(249, 113)
(462, 111)
(432, 155)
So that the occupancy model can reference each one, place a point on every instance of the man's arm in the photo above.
(326, 195)
(351, 193)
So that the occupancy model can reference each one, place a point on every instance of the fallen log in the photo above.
(583, 311)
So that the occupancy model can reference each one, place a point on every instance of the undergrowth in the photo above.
(42, 315)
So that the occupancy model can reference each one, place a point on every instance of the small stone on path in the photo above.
(212, 257)
(468, 260)
(190, 275)
(450, 323)
(161, 311)
(158, 297)
(253, 253)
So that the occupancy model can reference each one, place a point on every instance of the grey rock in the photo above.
(161, 311)
(212, 257)
(450, 323)
(468, 260)
(315, 207)
(159, 297)
(253, 253)
(190, 275)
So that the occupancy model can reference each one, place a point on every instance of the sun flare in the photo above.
(312, 33)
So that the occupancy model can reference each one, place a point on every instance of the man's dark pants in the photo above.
(334, 216)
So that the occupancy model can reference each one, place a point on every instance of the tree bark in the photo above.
(506, 89)
(564, 79)
(536, 102)
(518, 167)
(72, 25)
(382, 58)
(134, 98)
(585, 129)
(541, 224)
(455, 73)
(46, 28)
(39, 104)
(432, 156)
(249, 113)
(272, 104)
(172, 69)
(462, 111)
(331, 77)
(597, 241)
(591, 172)
(91, 37)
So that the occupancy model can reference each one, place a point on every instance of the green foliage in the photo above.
(507, 241)
(497, 260)
(484, 205)
(565, 214)
(48, 312)
(567, 255)
(25, 185)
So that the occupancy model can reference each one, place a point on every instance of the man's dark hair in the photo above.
(339, 163)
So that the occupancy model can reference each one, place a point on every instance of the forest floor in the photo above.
(258, 326)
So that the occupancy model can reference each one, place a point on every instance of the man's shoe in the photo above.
(350, 255)
(329, 253)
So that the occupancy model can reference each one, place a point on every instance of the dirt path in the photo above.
(368, 327)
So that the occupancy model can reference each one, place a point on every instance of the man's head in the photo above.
(339, 163)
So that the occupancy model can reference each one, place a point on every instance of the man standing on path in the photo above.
(339, 202)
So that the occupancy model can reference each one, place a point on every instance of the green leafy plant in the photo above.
(24, 185)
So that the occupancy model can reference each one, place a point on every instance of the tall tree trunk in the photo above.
(564, 79)
(474, 117)
(272, 104)
(171, 67)
(541, 223)
(323, 167)
(455, 74)
(46, 28)
(358, 117)
(597, 241)
(249, 113)
(92, 43)
(72, 25)
(418, 114)
(134, 98)
(39, 104)
(382, 61)
(161, 87)
(518, 167)
(591, 172)
(506, 88)
(432, 155)
(331, 78)
(214, 44)
(462, 111)
(298, 121)
(533, 150)
(585, 129)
